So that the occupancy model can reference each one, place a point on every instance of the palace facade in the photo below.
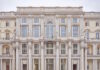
(49, 38)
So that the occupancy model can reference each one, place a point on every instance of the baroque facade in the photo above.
(49, 38)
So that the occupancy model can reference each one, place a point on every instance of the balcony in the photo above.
(6, 56)
(6, 40)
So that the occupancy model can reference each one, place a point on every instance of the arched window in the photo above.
(49, 30)
(97, 24)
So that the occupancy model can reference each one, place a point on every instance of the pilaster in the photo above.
(30, 56)
(42, 55)
(17, 56)
(57, 55)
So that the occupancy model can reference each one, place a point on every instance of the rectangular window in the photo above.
(36, 20)
(97, 35)
(87, 34)
(75, 48)
(49, 64)
(75, 20)
(24, 31)
(74, 66)
(36, 48)
(63, 49)
(75, 31)
(36, 64)
(24, 66)
(63, 31)
(36, 31)
(62, 20)
(24, 49)
(63, 64)
(49, 31)
(24, 20)
(49, 48)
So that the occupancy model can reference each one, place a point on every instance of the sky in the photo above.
(88, 5)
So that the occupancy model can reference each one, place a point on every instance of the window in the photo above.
(97, 24)
(7, 50)
(49, 48)
(49, 64)
(63, 49)
(86, 24)
(36, 31)
(87, 34)
(24, 66)
(63, 64)
(62, 20)
(75, 48)
(36, 48)
(75, 20)
(75, 31)
(97, 35)
(98, 50)
(7, 24)
(49, 30)
(63, 31)
(36, 64)
(24, 49)
(24, 21)
(7, 36)
(36, 20)
(74, 66)
(24, 31)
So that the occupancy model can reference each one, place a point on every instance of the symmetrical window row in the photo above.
(50, 47)
(49, 31)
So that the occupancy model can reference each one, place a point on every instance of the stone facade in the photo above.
(49, 38)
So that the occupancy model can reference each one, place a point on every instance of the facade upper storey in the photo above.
(50, 22)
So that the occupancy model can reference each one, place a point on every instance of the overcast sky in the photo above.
(88, 5)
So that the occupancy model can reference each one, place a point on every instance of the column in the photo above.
(69, 56)
(42, 56)
(1, 64)
(82, 56)
(17, 57)
(94, 64)
(13, 60)
(85, 56)
(30, 56)
(57, 56)
(10, 65)
(94, 49)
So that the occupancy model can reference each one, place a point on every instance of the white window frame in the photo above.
(63, 31)
(64, 49)
(36, 49)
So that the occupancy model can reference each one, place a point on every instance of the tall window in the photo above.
(62, 20)
(74, 66)
(7, 36)
(75, 31)
(36, 48)
(49, 30)
(75, 49)
(87, 24)
(36, 20)
(49, 64)
(97, 24)
(63, 49)
(36, 64)
(87, 34)
(24, 20)
(24, 49)
(98, 50)
(24, 66)
(36, 31)
(49, 48)
(7, 50)
(7, 24)
(97, 35)
(63, 64)
(63, 31)
(24, 31)
(75, 20)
